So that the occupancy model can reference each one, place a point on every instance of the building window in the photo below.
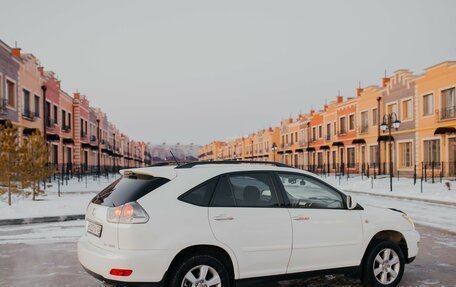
(63, 120)
(448, 104)
(375, 117)
(342, 124)
(405, 155)
(335, 128)
(334, 159)
(56, 114)
(407, 110)
(328, 132)
(69, 121)
(431, 152)
(351, 157)
(37, 106)
(373, 154)
(364, 122)
(314, 134)
(391, 108)
(351, 122)
(428, 105)
(320, 132)
(26, 103)
(11, 93)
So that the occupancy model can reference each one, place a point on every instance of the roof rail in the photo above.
(196, 163)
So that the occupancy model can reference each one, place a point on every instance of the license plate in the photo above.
(94, 228)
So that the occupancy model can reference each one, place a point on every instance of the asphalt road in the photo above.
(45, 255)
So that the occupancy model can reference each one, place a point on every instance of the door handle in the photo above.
(301, 218)
(223, 218)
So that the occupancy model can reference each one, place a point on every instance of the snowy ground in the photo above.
(401, 188)
(45, 254)
(75, 196)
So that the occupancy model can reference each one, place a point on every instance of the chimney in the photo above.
(340, 99)
(325, 107)
(359, 91)
(16, 52)
(312, 112)
(385, 81)
(290, 120)
(77, 96)
(41, 70)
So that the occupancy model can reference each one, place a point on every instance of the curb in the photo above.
(404, 197)
(47, 219)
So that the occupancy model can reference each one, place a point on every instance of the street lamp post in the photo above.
(274, 149)
(308, 145)
(390, 121)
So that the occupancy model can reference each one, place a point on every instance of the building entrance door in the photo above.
(452, 156)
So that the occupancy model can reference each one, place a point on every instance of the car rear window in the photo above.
(127, 189)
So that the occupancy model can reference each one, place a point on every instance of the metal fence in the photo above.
(428, 171)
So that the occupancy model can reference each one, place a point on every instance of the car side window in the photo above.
(223, 195)
(253, 190)
(307, 192)
(201, 195)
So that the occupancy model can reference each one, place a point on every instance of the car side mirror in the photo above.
(351, 202)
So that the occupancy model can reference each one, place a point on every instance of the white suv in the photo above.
(215, 224)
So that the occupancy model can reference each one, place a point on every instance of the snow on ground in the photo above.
(75, 196)
(404, 187)
(69, 231)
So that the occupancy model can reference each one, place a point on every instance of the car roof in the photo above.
(171, 171)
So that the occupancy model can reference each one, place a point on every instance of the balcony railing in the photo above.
(3, 106)
(50, 122)
(66, 128)
(28, 114)
(448, 113)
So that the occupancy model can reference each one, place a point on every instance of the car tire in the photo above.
(205, 269)
(384, 265)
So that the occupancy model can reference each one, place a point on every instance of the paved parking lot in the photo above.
(45, 255)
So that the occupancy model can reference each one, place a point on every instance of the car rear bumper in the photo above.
(149, 266)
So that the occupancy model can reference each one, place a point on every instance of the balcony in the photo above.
(3, 106)
(66, 128)
(448, 113)
(28, 114)
(84, 135)
(50, 123)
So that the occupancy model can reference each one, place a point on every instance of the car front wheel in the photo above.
(384, 265)
(200, 271)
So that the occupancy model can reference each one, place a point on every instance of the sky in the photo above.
(197, 71)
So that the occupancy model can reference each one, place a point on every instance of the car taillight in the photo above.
(129, 213)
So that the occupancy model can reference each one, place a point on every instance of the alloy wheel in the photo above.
(202, 276)
(386, 266)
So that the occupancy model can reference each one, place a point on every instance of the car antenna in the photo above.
(174, 158)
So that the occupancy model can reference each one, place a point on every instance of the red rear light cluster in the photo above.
(129, 213)
(121, 272)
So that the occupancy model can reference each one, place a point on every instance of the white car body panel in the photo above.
(325, 239)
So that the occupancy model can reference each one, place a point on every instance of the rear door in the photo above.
(245, 214)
